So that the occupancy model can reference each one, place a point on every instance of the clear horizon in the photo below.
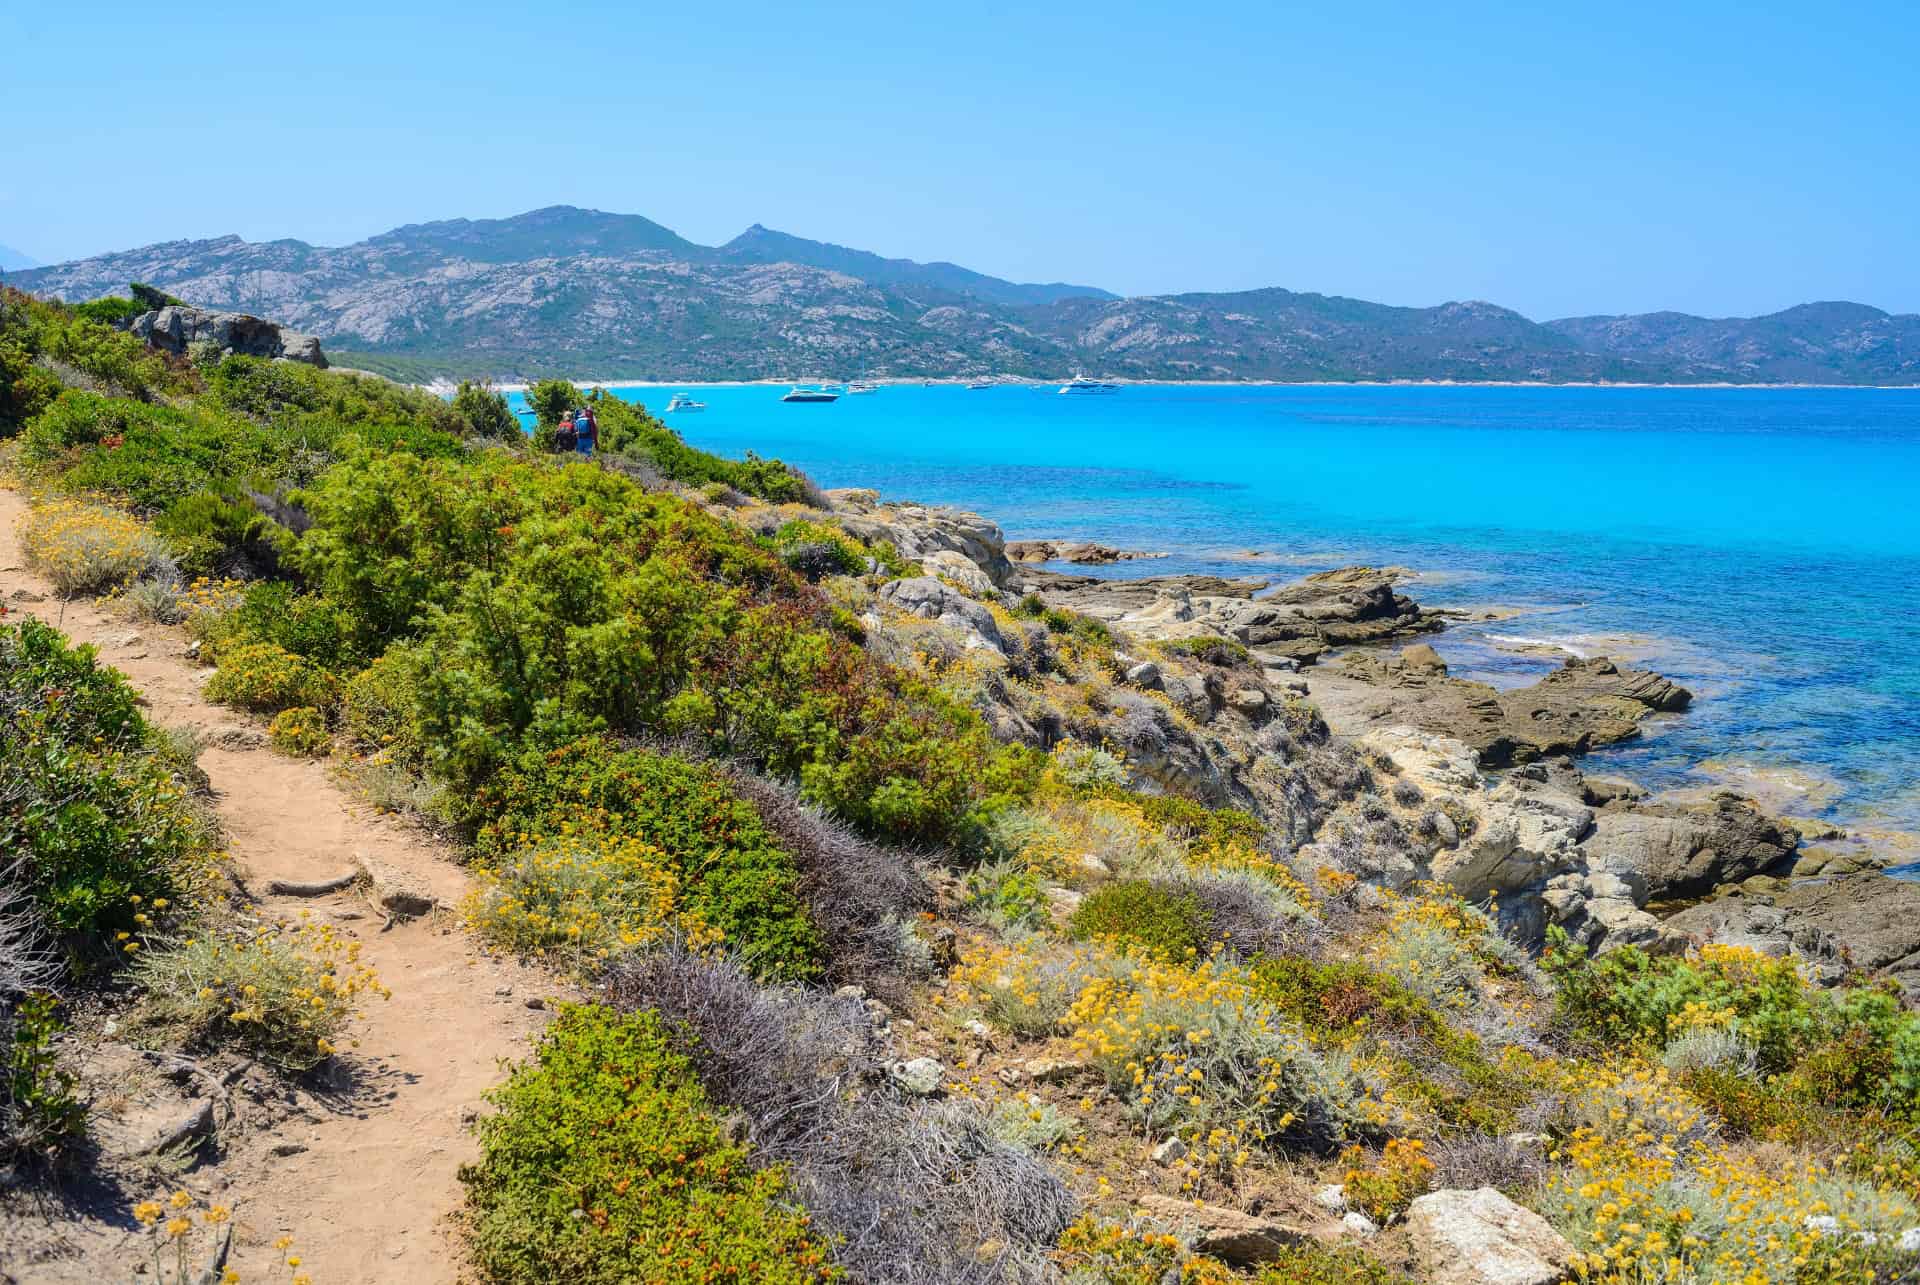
(1711, 160)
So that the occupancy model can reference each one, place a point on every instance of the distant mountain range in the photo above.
(585, 293)
(11, 259)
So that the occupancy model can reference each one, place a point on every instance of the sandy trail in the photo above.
(366, 1192)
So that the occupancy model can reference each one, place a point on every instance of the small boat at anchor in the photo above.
(859, 386)
(684, 402)
(1084, 386)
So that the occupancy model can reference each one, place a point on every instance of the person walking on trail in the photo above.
(586, 431)
(566, 436)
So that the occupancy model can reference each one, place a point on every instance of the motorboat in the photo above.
(1085, 386)
(979, 384)
(684, 402)
(860, 386)
(811, 395)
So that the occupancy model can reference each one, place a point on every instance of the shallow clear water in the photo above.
(1760, 545)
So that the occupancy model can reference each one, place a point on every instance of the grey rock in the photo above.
(175, 329)
(930, 599)
(920, 1076)
(1482, 1238)
(1145, 674)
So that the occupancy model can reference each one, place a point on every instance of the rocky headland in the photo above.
(1219, 678)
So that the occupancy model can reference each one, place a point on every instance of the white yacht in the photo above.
(684, 402)
(811, 395)
(1084, 386)
(980, 384)
(860, 386)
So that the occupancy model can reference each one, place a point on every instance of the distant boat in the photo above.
(811, 395)
(1083, 386)
(683, 402)
(979, 384)
(859, 386)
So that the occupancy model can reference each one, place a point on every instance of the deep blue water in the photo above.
(1760, 545)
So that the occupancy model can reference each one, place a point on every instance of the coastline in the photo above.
(446, 386)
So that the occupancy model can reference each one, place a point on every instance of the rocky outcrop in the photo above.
(941, 539)
(1300, 621)
(1554, 849)
(1481, 1238)
(1683, 852)
(1083, 552)
(931, 599)
(1867, 921)
(1586, 703)
(174, 329)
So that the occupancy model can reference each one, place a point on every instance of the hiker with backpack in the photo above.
(566, 437)
(586, 431)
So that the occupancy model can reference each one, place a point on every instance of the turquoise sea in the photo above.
(1760, 545)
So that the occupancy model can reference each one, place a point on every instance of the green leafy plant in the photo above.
(300, 731)
(266, 677)
(1142, 916)
(40, 1115)
(604, 1165)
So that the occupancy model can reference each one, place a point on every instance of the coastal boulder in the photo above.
(931, 599)
(1482, 1238)
(1865, 921)
(921, 531)
(1675, 851)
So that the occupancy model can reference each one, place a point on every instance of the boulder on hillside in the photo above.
(931, 599)
(1482, 1238)
(173, 329)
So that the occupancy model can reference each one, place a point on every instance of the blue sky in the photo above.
(1715, 158)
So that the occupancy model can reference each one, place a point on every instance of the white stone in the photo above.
(1481, 1238)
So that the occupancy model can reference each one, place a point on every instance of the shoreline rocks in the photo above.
(1082, 552)
(1584, 704)
(1300, 621)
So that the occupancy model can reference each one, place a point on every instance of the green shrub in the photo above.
(102, 826)
(1213, 651)
(482, 412)
(1306, 1263)
(111, 310)
(627, 430)
(300, 731)
(817, 550)
(40, 1115)
(604, 1165)
(266, 677)
(736, 878)
(206, 529)
(1144, 917)
(1007, 895)
(375, 705)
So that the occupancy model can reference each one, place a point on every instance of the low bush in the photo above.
(267, 678)
(102, 828)
(914, 1192)
(582, 899)
(284, 995)
(731, 876)
(1095, 1252)
(1383, 1187)
(1142, 916)
(604, 1165)
(1306, 1263)
(87, 549)
(628, 431)
(40, 1115)
(1226, 652)
(300, 731)
(1007, 895)
(222, 532)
